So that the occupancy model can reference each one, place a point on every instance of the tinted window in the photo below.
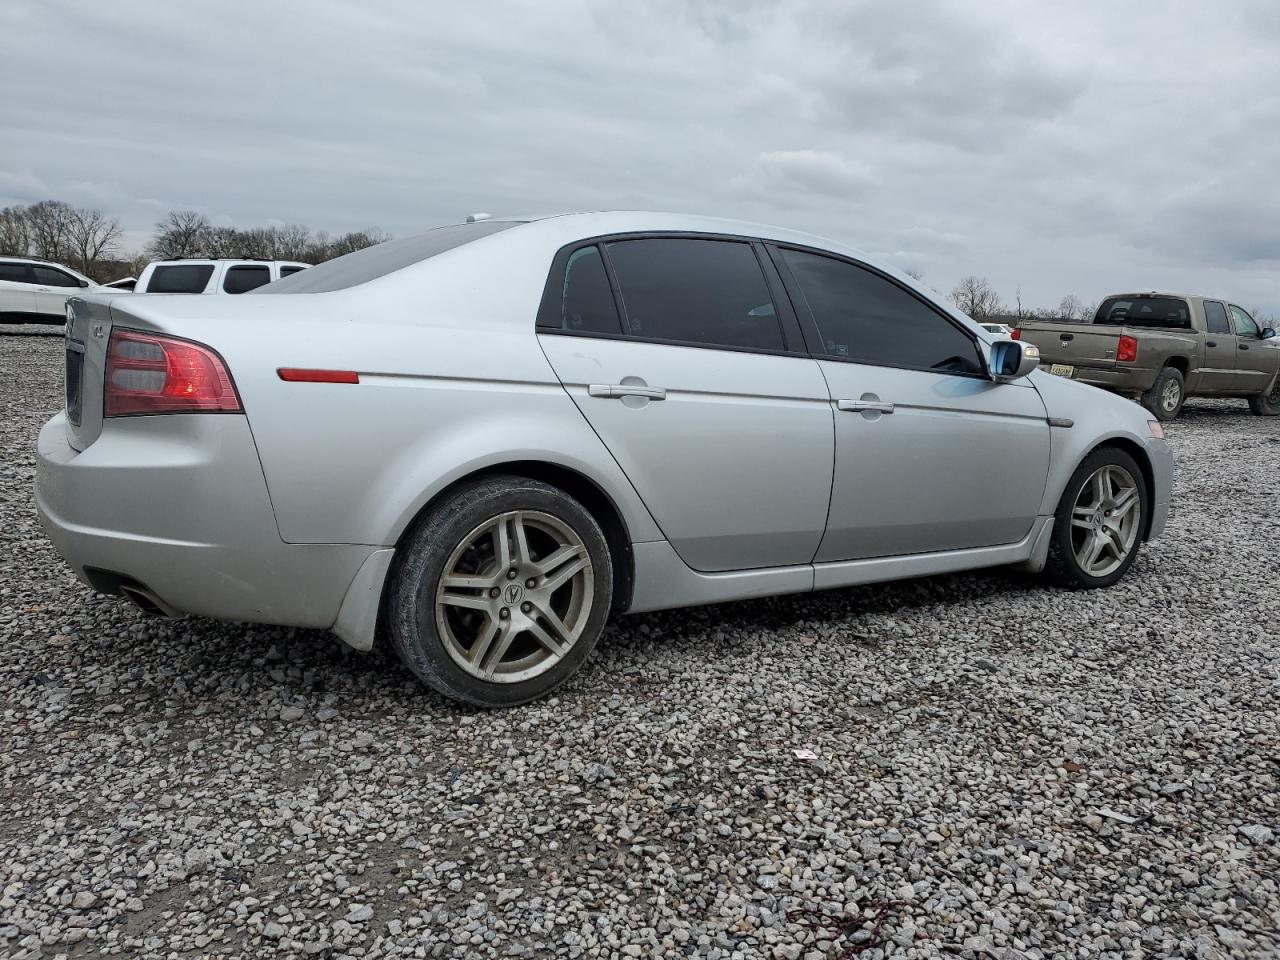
(696, 291)
(285, 271)
(1244, 324)
(377, 261)
(180, 278)
(1145, 312)
(51, 277)
(864, 317)
(244, 279)
(1215, 317)
(16, 273)
(587, 303)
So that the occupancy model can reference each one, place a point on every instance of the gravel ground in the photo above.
(1003, 770)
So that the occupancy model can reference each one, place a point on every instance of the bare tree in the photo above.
(356, 240)
(92, 237)
(976, 297)
(15, 234)
(49, 223)
(1071, 307)
(183, 233)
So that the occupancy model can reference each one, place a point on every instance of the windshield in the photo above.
(377, 261)
(1145, 312)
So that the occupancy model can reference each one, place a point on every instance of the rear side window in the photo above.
(285, 271)
(244, 279)
(586, 303)
(180, 278)
(51, 277)
(867, 318)
(1145, 312)
(1215, 317)
(16, 273)
(710, 292)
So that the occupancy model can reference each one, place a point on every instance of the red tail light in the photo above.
(1016, 333)
(1127, 350)
(147, 374)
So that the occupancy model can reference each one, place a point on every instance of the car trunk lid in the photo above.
(1077, 344)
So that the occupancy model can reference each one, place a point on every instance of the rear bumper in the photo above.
(1161, 459)
(1119, 379)
(179, 505)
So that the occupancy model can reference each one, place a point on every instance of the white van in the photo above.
(212, 276)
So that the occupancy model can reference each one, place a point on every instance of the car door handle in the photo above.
(864, 406)
(1243, 346)
(1211, 343)
(616, 391)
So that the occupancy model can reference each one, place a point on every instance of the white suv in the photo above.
(212, 276)
(36, 291)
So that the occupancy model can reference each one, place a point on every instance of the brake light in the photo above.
(1127, 350)
(1016, 333)
(148, 374)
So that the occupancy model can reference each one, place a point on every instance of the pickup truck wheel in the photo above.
(1097, 527)
(1267, 404)
(1165, 397)
(501, 592)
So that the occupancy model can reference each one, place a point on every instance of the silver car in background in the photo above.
(483, 441)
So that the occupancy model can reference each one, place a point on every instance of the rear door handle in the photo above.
(864, 406)
(616, 391)
(1242, 346)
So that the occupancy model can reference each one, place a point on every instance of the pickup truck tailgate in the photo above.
(1079, 344)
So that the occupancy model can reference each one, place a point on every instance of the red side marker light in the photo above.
(302, 375)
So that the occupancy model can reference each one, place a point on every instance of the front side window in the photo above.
(1215, 317)
(1244, 324)
(866, 318)
(710, 292)
(180, 278)
(244, 279)
(16, 273)
(51, 277)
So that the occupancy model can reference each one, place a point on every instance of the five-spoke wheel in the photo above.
(1098, 525)
(501, 592)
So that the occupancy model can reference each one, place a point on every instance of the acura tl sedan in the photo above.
(481, 442)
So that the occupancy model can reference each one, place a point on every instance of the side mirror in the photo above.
(1268, 333)
(84, 283)
(1013, 360)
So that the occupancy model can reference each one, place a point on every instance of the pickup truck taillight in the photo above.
(1127, 350)
(149, 374)
(1016, 333)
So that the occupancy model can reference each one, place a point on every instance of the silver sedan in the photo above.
(481, 442)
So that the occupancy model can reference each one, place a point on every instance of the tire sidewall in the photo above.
(1069, 569)
(1155, 396)
(411, 601)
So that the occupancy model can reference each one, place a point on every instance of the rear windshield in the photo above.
(373, 262)
(1145, 312)
(180, 278)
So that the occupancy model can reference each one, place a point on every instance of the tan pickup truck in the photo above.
(1164, 347)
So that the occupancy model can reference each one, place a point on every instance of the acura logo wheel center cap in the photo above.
(513, 594)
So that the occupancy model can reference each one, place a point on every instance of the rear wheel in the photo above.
(1267, 404)
(1097, 528)
(501, 592)
(1165, 397)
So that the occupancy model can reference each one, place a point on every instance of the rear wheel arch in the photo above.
(1181, 364)
(582, 488)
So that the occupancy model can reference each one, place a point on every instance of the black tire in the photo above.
(1063, 568)
(411, 601)
(1267, 404)
(1157, 399)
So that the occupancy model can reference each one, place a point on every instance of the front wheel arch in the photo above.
(1139, 455)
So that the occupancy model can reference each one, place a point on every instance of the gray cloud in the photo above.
(1076, 148)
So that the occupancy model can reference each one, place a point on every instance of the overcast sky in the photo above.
(1080, 147)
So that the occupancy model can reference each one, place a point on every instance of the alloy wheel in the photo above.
(1105, 520)
(515, 596)
(1171, 396)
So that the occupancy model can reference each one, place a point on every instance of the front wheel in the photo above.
(1097, 528)
(1165, 397)
(1267, 404)
(501, 592)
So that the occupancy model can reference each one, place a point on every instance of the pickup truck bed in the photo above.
(1163, 348)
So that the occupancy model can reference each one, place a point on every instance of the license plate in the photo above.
(1062, 369)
